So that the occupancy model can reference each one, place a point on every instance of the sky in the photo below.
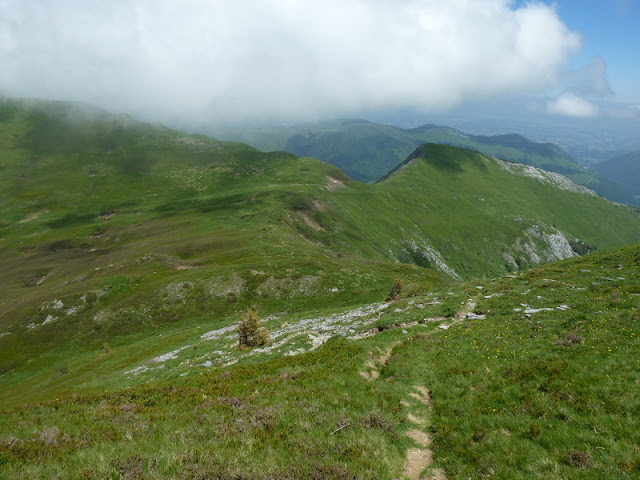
(297, 60)
(610, 30)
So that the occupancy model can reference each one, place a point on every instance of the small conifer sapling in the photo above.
(394, 294)
(251, 333)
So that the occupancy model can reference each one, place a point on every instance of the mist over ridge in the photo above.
(278, 60)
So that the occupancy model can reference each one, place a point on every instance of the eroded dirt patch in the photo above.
(377, 363)
(423, 395)
(310, 221)
(421, 438)
(417, 460)
(333, 183)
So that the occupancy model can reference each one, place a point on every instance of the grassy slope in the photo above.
(544, 394)
(122, 241)
(547, 394)
(135, 228)
(473, 212)
(113, 229)
(547, 156)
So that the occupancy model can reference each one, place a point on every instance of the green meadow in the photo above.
(129, 252)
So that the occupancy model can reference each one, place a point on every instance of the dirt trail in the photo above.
(376, 364)
(310, 221)
(420, 437)
(422, 395)
(419, 458)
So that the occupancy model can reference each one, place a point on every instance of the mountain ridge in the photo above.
(367, 151)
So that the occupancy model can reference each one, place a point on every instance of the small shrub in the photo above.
(394, 294)
(479, 435)
(131, 468)
(533, 432)
(570, 339)
(579, 459)
(251, 333)
(375, 421)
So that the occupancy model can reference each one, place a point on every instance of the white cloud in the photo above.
(571, 105)
(278, 58)
(590, 80)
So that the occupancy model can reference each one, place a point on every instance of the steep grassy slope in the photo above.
(112, 229)
(535, 379)
(465, 213)
(124, 237)
(367, 151)
(546, 156)
(624, 170)
(547, 385)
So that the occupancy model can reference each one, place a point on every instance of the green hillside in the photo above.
(112, 229)
(367, 151)
(624, 170)
(462, 212)
(534, 377)
(129, 252)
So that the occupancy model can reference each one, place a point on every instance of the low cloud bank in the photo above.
(571, 105)
(280, 59)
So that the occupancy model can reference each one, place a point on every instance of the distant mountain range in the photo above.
(624, 170)
(367, 151)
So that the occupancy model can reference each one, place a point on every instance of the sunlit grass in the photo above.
(122, 242)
